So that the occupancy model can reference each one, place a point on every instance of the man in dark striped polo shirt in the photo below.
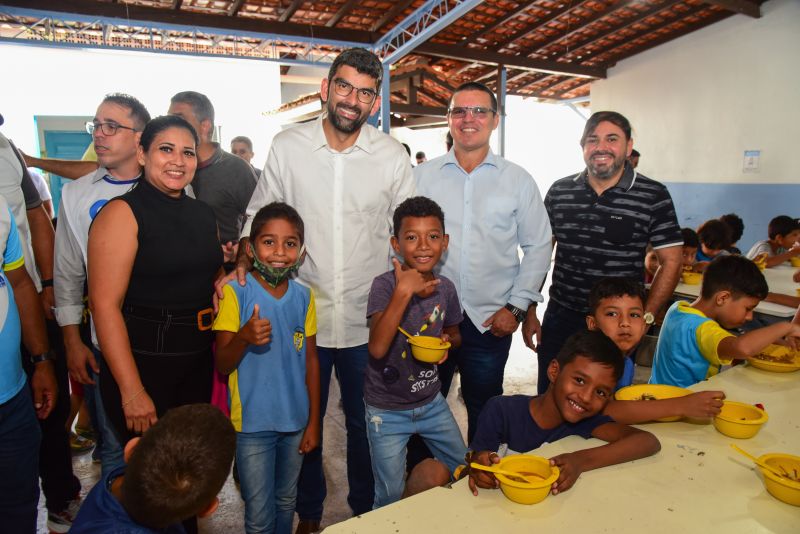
(602, 220)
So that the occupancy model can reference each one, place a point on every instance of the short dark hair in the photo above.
(277, 210)
(408, 148)
(715, 234)
(178, 466)
(475, 86)
(419, 154)
(617, 119)
(690, 238)
(137, 111)
(200, 104)
(736, 274)
(416, 207)
(243, 139)
(164, 122)
(736, 224)
(363, 61)
(782, 225)
(614, 287)
(635, 153)
(595, 346)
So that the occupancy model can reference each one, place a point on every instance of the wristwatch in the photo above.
(649, 318)
(518, 314)
(44, 357)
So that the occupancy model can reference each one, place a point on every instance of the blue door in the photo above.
(63, 145)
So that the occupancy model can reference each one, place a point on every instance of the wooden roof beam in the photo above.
(515, 62)
(289, 11)
(236, 5)
(511, 15)
(539, 23)
(743, 7)
(334, 20)
(408, 109)
(560, 94)
(389, 15)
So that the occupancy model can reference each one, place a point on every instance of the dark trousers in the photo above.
(350, 364)
(19, 464)
(481, 360)
(558, 324)
(59, 484)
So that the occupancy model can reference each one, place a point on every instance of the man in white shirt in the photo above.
(492, 209)
(345, 179)
(116, 129)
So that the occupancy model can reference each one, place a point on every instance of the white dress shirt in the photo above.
(346, 200)
(490, 213)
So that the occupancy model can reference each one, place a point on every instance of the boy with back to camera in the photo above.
(617, 309)
(174, 472)
(715, 238)
(582, 380)
(402, 394)
(695, 342)
(783, 243)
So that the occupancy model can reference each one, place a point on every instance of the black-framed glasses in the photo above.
(363, 94)
(108, 128)
(477, 112)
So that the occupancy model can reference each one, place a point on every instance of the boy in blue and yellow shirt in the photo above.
(694, 341)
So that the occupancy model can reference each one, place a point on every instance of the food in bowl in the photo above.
(651, 392)
(739, 420)
(785, 488)
(526, 492)
(691, 279)
(428, 349)
(776, 358)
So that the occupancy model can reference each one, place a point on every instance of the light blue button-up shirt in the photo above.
(490, 214)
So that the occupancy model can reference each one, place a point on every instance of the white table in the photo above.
(779, 280)
(697, 483)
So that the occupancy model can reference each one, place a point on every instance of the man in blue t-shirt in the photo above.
(582, 381)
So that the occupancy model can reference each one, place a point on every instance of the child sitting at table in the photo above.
(174, 472)
(582, 379)
(402, 394)
(688, 255)
(715, 238)
(783, 243)
(617, 310)
(736, 225)
(694, 342)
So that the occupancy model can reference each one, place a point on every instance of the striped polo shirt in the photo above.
(605, 235)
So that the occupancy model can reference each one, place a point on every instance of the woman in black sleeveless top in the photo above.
(153, 257)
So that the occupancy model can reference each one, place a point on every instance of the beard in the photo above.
(342, 124)
(603, 172)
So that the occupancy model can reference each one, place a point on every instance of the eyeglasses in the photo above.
(108, 128)
(477, 112)
(364, 95)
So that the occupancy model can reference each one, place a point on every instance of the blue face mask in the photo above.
(274, 276)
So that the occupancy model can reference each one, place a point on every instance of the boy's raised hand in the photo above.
(570, 468)
(412, 280)
(702, 405)
(256, 330)
(483, 479)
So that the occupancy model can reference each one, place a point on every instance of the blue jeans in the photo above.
(481, 360)
(388, 432)
(350, 365)
(558, 324)
(19, 464)
(269, 466)
(111, 452)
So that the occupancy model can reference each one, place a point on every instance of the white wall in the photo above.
(697, 103)
(62, 81)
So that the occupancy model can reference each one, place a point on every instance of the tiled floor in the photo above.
(521, 374)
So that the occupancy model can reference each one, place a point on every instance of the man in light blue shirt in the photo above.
(492, 209)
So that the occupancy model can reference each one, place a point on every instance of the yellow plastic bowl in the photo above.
(692, 279)
(782, 488)
(739, 420)
(522, 492)
(651, 392)
(795, 261)
(776, 367)
(428, 349)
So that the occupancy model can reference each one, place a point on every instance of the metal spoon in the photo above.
(525, 478)
(758, 462)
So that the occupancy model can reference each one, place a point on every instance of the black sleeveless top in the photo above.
(179, 252)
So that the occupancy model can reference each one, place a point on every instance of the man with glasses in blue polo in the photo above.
(492, 209)
(345, 178)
